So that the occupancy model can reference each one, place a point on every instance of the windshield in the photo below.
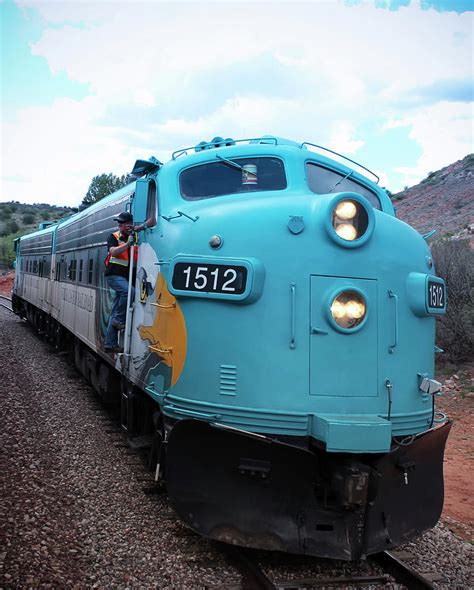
(227, 176)
(323, 181)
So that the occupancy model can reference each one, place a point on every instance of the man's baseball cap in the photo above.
(124, 217)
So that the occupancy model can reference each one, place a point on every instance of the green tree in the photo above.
(45, 215)
(103, 185)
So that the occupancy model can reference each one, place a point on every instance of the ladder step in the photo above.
(140, 442)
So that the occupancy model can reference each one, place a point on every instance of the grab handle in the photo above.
(391, 294)
(292, 316)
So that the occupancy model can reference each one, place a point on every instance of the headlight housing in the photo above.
(348, 309)
(350, 220)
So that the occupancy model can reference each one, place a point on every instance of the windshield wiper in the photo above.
(340, 180)
(230, 162)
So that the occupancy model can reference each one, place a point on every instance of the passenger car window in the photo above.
(322, 181)
(231, 176)
(90, 273)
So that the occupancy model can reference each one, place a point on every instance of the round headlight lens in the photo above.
(350, 220)
(348, 309)
(346, 210)
(346, 231)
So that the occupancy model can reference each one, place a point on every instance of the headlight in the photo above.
(346, 210)
(350, 220)
(348, 309)
(346, 231)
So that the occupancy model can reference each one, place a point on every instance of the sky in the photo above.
(88, 87)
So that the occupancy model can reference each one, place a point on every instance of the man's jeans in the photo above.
(119, 308)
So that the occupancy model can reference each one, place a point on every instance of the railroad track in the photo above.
(254, 578)
(3, 300)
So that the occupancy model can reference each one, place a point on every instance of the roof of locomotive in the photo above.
(39, 232)
(276, 146)
(239, 147)
(270, 140)
(117, 195)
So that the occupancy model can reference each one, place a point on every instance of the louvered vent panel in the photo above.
(228, 381)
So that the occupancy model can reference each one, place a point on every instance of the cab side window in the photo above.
(323, 181)
(151, 204)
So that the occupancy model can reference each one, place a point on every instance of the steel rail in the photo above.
(336, 582)
(253, 578)
(6, 306)
(402, 572)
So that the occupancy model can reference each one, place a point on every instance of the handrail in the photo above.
(341, 156)
(265, 139)
(129, 313)
(392, 295)
(292, 318)
(211, 145)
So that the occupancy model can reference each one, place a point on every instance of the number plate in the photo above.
(209, 278)
(436, 295)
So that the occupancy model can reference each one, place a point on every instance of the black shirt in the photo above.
(116, 269)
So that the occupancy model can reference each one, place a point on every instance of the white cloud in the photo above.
(56, 150)
(324, 71)
(445, 132)
(343, 136)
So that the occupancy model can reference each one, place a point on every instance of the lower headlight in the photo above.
(348, 309)
(346, 231)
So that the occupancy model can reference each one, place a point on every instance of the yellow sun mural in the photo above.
(167, 334)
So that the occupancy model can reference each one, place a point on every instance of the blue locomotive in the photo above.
(279, 353)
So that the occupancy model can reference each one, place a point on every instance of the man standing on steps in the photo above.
(117, 265)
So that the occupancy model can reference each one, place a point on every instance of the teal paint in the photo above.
(291, 356)
(272, 360)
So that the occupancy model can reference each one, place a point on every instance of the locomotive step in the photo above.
(139, 442)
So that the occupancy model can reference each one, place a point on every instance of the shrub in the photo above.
(13, 227)
(455, 331)
(28, 218)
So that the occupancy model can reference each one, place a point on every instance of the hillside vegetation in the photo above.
(444, 201)
(17, 219)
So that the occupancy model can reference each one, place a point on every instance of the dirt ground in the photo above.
(6, 283)
(457, 402)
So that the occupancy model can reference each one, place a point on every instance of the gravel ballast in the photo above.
(79, 509)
